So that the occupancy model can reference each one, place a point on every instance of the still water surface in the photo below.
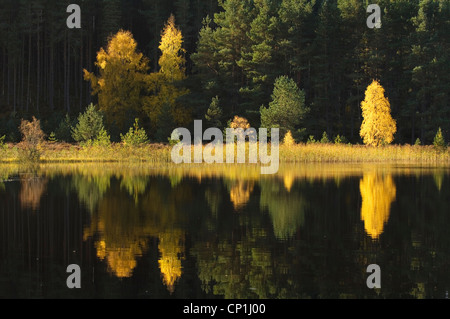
(309, 231)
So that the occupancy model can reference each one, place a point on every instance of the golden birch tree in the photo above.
(378, 126)
(122, 79)
(166, 82)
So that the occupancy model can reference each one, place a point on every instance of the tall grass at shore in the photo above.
(346, 153)
(294, 153)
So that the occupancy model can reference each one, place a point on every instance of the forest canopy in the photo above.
(232, 50)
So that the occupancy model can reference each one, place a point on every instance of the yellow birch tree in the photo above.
(172, 71)
(378, 126)
(122, 79)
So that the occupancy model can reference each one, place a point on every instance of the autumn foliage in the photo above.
(122, 79)
(164, 84)
(378, 127)
(33, 137)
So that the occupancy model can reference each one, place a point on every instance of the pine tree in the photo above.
(155, 13)
(220, 50)
(287, 108)
(439, 141)
(327, 71)
(258, 59)
(110, 19)
(89, 126)
(135, 136)
(214, 113)
(183, 14)
(431, 66)
(166, 124)
(378, 127)
(296, 17)
(63, 132)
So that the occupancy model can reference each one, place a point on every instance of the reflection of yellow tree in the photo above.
(121, 260)
(377, 194)
(122, 237)
(288, 180)
(123, 225)
(31, 191)
(171, 247)
(438, 178)
(240, 193)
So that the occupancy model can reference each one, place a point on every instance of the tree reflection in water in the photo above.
(225, 231)
(378, 191)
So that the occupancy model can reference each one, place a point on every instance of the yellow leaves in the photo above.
(377, 192)
(240, 193)
(171, 247)
(172, 70)
(240, 122)
(101, 59)
(288, 139)
(172, 61)
(122, 78)
(378, 127)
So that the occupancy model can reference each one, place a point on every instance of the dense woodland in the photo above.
(235, 50)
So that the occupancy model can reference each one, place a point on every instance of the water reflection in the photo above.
(377, 192)
(240, 192)
(121, 237)
(31, 190)
(171, 248)
(286, 207)
(205, 231)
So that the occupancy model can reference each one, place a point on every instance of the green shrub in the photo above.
(311, 140)
(135, 136)
(64, 130)
(340, 140)
(325, 139)
(439, 141)
(89, 126)
(418, 142)
(102, 139)
(174, 138)
(52, 138)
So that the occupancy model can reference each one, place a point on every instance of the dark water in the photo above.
(309, 231)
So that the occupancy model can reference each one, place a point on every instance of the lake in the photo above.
(224, 231)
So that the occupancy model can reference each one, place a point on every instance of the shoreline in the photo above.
(56, 152)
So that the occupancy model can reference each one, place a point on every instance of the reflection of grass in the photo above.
(158, 153)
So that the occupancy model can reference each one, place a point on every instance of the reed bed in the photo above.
(294, 153)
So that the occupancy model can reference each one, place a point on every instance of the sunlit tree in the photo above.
(121, 80)
(166, 82)
(378, 127)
